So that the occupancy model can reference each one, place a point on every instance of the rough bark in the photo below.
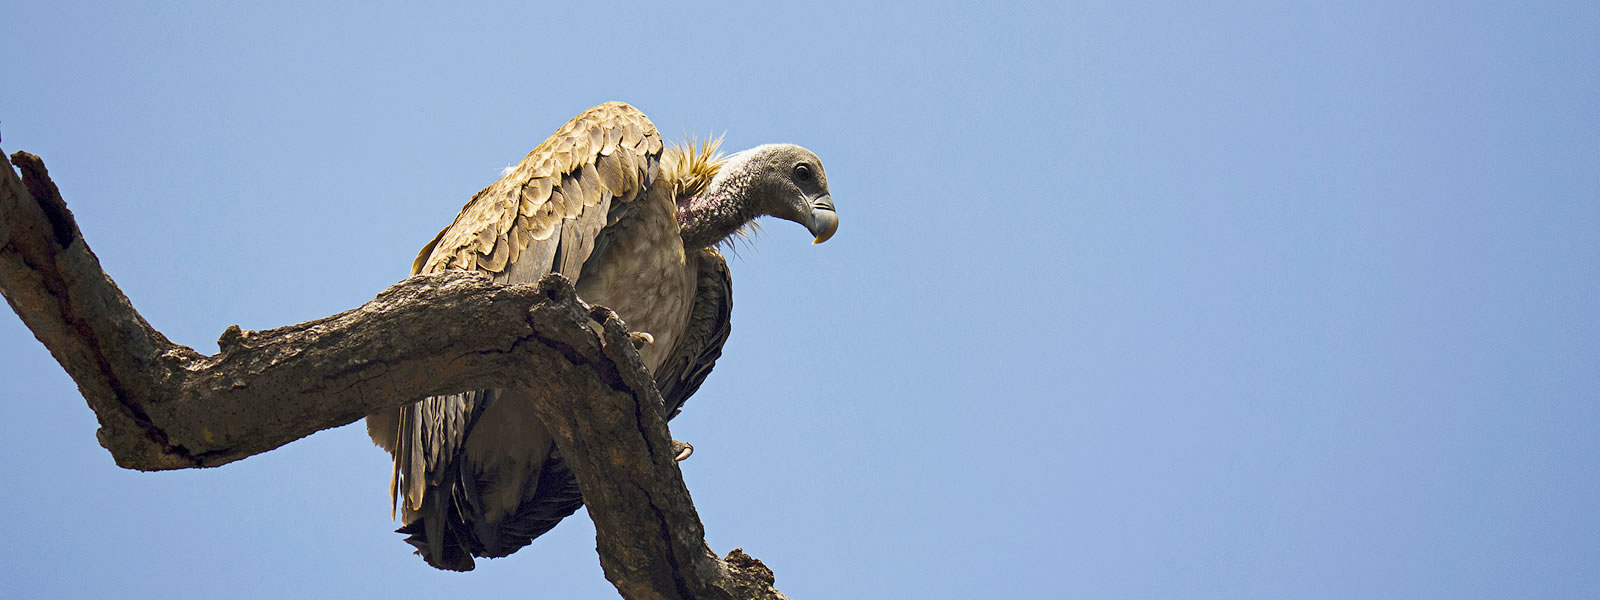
(165, 406)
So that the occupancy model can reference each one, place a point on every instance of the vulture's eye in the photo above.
(802, 172)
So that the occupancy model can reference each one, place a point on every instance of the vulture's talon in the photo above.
(684, 450)
(641, 339)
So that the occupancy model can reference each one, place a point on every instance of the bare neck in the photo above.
(726, 205)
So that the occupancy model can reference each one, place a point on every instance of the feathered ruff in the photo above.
(691, 166)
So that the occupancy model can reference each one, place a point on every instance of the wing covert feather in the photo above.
(553, 186)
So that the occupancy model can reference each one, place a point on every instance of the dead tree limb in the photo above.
(165, 406)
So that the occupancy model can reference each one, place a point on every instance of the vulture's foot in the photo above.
(683, 449)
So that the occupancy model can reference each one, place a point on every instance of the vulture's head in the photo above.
(787, 182)
(780, 180)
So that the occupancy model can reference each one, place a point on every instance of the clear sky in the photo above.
(1129, 299)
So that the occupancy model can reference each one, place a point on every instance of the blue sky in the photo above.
(1129, 299)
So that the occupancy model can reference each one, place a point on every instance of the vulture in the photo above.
(635, 226)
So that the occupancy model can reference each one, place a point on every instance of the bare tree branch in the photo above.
(165, 406)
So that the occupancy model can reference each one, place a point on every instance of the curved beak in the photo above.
(824, 221)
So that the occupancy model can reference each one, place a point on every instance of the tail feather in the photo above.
(438, 545)
(447, 536)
